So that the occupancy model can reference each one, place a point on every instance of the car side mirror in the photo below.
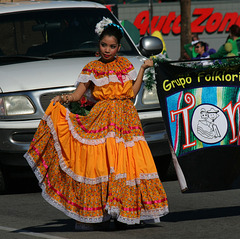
(150, 46)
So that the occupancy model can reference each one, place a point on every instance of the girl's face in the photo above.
(108, 47)
(199, 49)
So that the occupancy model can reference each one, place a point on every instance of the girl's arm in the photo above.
(220, 53)
(188, 50)
(137, 84)
(75, 96)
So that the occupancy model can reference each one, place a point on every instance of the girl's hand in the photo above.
(147, 63)
(56, 99)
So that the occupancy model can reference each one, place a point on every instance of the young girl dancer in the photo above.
(99, 166)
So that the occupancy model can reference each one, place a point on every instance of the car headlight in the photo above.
(150, 97)
(15, 105)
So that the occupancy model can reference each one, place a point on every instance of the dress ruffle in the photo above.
(92, 183)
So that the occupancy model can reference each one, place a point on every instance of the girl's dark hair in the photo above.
(112, 30)
(235, 30)
(204, 44)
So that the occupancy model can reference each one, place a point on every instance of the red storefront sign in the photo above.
(206, 21)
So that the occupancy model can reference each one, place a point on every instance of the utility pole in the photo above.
(150, 9)
(185, 6)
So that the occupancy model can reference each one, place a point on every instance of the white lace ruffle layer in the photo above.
(113, 212)
(101, 140)
(146, 215)
(84, 78)
(55, 203)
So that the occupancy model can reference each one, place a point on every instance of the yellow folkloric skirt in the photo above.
(97, 166)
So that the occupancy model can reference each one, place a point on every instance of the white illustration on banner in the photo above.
(209, 123)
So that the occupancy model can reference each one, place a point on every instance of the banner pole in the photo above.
(180, 175)
(150, 10)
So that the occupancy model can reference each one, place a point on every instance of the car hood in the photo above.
(46, 74)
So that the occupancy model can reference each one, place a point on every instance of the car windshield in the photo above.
(57, 33)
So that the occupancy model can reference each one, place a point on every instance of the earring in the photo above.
(97, 54)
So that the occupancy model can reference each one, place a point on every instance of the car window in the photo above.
(59, 32)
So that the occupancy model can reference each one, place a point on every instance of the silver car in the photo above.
(44, 46)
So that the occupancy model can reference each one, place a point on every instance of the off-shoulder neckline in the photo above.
(106, 63)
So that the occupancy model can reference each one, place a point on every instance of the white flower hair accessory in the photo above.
(101, 25)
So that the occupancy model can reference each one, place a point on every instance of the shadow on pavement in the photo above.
(202, 214)
(68, 225)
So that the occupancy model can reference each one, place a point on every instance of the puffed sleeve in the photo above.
(128, 68)
(86, 74)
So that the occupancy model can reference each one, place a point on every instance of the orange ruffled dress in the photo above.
(99, 166)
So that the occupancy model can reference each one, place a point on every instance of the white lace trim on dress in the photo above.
(146, 215)
(101, 140)
(111, 212)
(136, 181)
(84, 78)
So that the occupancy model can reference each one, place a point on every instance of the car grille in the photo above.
(23, 137)
(46, 98)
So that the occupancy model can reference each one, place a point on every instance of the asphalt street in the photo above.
(192, 215)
